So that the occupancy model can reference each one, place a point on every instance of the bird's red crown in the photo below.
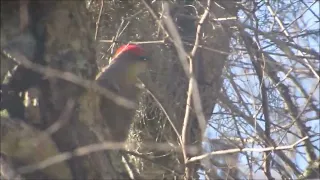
(133, 48)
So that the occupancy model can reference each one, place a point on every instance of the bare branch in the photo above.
(229, 151)
(67, 76)
(85, 150)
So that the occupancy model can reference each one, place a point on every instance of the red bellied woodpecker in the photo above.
(120, 76)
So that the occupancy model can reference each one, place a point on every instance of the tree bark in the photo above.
(63, 33)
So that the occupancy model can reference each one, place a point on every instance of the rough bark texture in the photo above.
(67, 44)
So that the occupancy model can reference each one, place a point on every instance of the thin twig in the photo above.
(134, 42)
(237, 150)
(193, 90)
(165, 112)
(63, 119)
(196, 94)
(169, 169)
(286, 33)
(131, 169)
(259, 66)
(227, 103)
(98, 21)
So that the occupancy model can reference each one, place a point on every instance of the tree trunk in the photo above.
(63, 33)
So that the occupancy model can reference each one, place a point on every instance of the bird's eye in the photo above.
(143, 58)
